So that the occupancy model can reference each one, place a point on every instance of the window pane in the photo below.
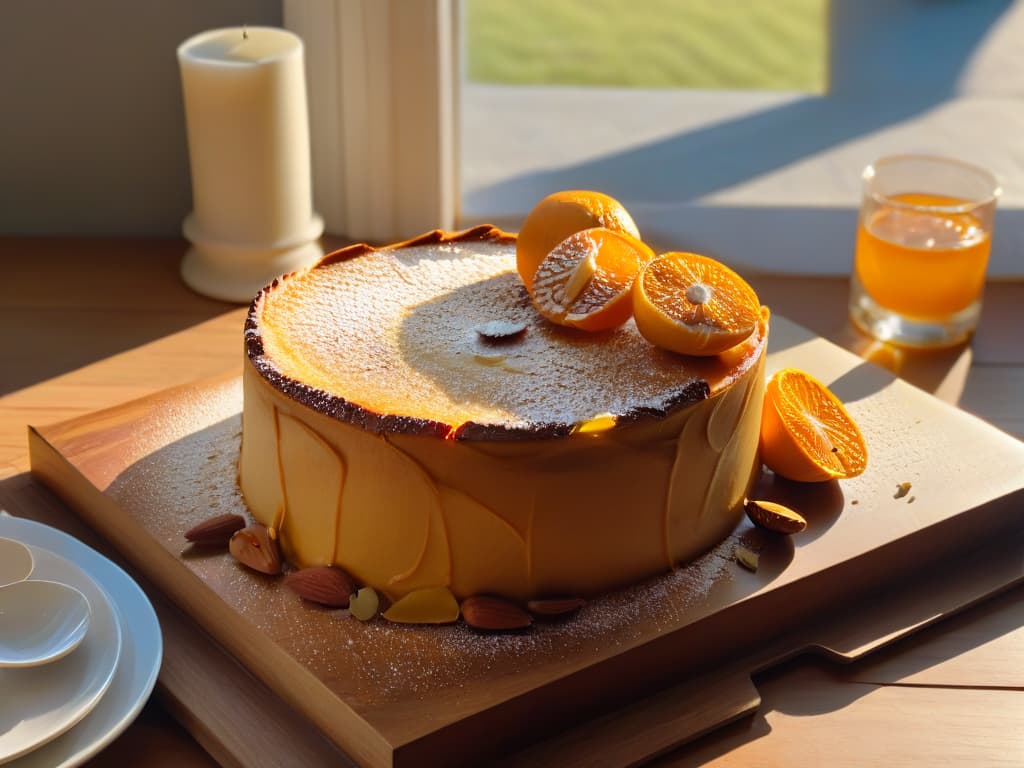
(737, 128)
(720, 44)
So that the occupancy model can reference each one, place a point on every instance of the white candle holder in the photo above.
(236, 273)
(248, 135)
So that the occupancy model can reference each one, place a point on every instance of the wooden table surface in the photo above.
(86, 324)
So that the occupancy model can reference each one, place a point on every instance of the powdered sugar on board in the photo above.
(193, 477)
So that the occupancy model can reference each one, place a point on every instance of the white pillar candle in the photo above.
(248, 137)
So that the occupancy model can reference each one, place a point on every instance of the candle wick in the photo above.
(245, 31)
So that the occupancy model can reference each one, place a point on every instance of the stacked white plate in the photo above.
(63, 713)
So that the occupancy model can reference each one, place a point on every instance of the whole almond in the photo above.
(254, 548)
(325, 585)
(555, 606)
(775, 517)
(215, 532)
(493, 613)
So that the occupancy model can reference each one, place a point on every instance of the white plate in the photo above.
(40, 703)
(141, 650)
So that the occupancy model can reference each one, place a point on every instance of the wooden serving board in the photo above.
(144, 472)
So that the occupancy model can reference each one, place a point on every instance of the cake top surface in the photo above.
(439, 332)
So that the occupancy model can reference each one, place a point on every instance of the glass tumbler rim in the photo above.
(871, 170)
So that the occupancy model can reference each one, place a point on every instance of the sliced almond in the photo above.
(494, 614)
(254, 548)
(432, 605)
(500, 330)
(555, 606)
(324, 585)
(774, 517)
(747, 558)
(215, 532)
(581, 276)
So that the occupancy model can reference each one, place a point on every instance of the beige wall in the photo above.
(92, 132)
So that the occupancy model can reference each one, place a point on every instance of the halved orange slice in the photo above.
(693, 305)
(806, 433)
(586, 280)
(562, 214)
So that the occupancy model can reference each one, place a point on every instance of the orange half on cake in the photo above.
(410, 417)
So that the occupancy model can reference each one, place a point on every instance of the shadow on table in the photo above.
(94, 299)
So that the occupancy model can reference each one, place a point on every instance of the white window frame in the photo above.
(381, 76)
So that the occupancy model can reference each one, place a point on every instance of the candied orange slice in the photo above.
(693, 305)
(586, 280)
(562, 214)
(806, 433)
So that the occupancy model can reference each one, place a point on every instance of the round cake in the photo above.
(409, 417)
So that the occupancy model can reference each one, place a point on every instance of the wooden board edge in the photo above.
(649, 728)
(646, 729)
(170, 394)
(782, 638)
(939, 593)
(234, 717)
(413, 748)
(351, 733)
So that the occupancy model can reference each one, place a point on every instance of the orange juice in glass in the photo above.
(923, 241)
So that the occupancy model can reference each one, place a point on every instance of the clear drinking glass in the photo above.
(923, 241)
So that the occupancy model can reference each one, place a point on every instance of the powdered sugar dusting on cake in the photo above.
(395, 331)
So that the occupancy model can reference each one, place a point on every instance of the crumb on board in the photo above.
(902, 489)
